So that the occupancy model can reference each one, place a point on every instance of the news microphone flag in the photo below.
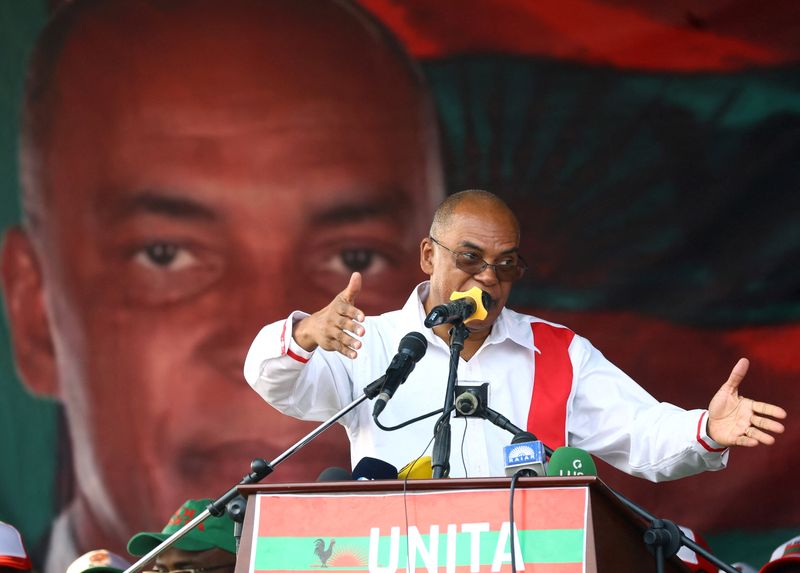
(480, 298)
(525, 454)
(335, 474)
(463, 306)
(418, 469)
(372, 468)
(568, 461)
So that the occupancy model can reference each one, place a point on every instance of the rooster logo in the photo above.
(321, 552)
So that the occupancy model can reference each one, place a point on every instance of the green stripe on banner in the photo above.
(352, 553)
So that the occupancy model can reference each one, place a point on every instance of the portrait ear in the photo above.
(426, 256)
(27, 316)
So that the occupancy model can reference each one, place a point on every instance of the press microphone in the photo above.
(463, 307)
(335, 474)
(502, 422)
(418, 469)
(411, 349)
(567, 461)
(467, 403)
(525, 456)
(373, 468)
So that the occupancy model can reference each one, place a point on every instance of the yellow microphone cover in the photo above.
(475, 294)
(418, 469)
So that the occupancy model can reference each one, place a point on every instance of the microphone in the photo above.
(467, 403)
(568, 461)
(335, 474)
(502, 422)
(525, 456)
(411, 349)
(373, 468)
(418, 469)
(463, 307)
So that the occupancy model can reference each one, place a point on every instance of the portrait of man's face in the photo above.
(186, 190)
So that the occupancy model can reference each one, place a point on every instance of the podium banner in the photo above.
(465, 531)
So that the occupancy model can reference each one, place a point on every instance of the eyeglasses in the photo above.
(193, 570)
(472, 264)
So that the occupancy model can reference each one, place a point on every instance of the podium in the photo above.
(562, 525)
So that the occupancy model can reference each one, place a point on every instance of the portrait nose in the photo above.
(249, 301)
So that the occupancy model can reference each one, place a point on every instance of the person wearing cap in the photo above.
(13, 555)
(99, 561)
(210, 546)
(785, 559)
(693, 561)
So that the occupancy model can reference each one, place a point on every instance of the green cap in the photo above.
(213, 533)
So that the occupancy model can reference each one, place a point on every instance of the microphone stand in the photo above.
(259, 469)
(440, 457)
(663, 537)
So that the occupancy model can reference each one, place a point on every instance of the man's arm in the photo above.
(616, 419)
(287, 368)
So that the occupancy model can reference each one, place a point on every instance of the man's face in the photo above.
(489, 233)
(199, 188)
(217, 560)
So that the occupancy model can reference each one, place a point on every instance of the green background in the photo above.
(27, 424)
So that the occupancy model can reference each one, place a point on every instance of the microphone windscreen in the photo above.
(418, 469)
(524, 437)
(373, 468)
(414, 344)
(335, 474)
(568, 461)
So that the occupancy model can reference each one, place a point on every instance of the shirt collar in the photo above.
(506, 327)
(414, 311)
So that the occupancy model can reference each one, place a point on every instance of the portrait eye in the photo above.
(163, 255)
(330, 265)
(358, 259)
(365, 260)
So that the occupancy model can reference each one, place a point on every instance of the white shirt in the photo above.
(608, 414)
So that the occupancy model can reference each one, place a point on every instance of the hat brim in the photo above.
(21, 563)
(101, 569)
(142, 543)
(780, 563)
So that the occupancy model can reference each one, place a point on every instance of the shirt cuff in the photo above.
(289, 346)
(704, 439)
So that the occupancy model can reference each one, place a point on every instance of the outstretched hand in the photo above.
(332, 327)
(737, 421)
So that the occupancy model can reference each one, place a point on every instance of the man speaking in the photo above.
(541, 376)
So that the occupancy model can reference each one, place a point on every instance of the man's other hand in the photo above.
(734, 420)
